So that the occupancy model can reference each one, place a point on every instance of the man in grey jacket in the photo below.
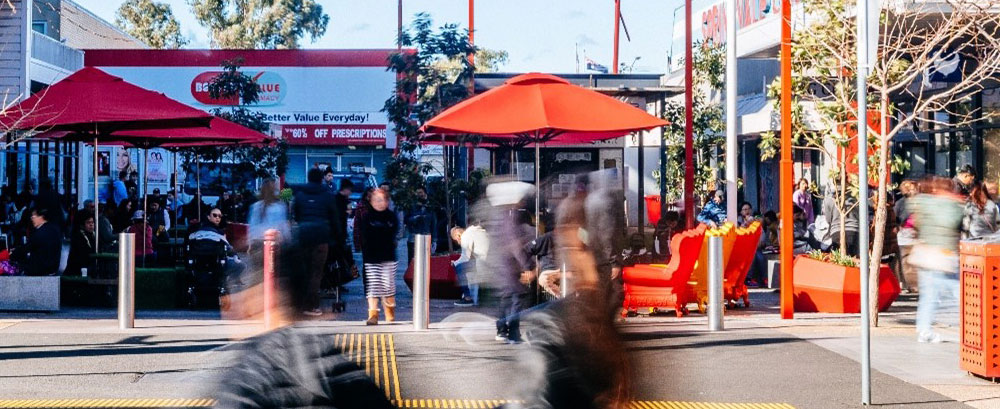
(832, 216)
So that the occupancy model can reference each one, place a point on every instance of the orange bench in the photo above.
(738, 265)
(665, 286)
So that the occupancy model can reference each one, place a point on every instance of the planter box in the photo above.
(827, 287)
(23, 293)
(444, 280)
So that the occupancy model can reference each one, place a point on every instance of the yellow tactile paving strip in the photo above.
(5, 324)
(376, 353)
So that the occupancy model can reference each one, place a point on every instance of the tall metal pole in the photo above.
(787, 301)
(862, 72)
(731, 91)
(145, 200)
(618, 19)
(689, 209)
(399, 25)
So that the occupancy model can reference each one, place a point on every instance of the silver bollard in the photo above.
(715, 283)
(421, 281)
(563, 284)
(126, 280)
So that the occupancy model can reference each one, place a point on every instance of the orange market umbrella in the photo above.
(539, 108)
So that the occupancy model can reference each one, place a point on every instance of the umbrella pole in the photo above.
(447, 191)
(177, 196)
(538, 190)
(145, 200)
(197, 172)
(97, 203)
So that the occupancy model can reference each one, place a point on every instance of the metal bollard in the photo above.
(270, 246)
(563, 285)
(126, 280)
(715, 283)
(421, 281)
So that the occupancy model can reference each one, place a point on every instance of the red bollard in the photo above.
(270, 246)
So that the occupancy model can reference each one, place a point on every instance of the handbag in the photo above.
(933, 258)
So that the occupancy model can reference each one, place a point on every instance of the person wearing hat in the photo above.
(714, 212)
(143, 237)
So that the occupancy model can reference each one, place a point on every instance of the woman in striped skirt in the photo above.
(378, 227)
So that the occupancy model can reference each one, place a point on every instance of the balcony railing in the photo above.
(50, 51)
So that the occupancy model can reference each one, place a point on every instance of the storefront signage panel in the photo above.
(332, 98)
(334, 134)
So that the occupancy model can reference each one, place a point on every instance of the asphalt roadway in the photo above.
(672, 362)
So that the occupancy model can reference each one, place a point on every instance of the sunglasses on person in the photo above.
(215, 215)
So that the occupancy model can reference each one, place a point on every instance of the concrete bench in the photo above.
(24, 293)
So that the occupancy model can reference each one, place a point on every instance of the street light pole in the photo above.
(862, 135)
(618, 17)
(731, 91)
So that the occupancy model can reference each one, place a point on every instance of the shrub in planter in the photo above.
(831, 283)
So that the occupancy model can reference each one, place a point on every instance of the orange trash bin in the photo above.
(979, 272)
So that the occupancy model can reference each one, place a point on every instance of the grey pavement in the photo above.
(808, 362)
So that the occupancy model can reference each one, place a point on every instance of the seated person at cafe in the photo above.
(207, 236)
(40, 256)
(81, 249)
(144, 250)
(159, 220)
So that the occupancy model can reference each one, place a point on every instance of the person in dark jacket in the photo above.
(316, 213)
(378, 227)
(40, 256)
(81, 248)
(49, 200)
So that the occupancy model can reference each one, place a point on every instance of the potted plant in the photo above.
(830, 282)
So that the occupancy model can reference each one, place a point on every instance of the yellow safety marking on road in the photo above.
(105, 403)
(374, 353)
(6, 324)
(395, 371)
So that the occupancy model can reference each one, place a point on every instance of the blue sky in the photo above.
(539, 34)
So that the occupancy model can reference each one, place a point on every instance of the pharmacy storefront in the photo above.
(326, 104)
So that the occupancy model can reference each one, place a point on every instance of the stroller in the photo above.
(340, 270)
(204, 274)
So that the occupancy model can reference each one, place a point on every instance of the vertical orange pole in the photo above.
(689, 209)
(785, 208)
(270, 245)
(618, 19)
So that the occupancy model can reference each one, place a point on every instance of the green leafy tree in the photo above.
(433, 73)
(262, 24)
(709, 127)
(151, 22)
(913, 38)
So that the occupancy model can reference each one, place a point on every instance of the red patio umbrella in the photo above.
(91, 100)
(540, 108)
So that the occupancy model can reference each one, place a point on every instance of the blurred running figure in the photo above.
(316, 214)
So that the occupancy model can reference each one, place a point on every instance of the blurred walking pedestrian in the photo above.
(507, 256)
(377, 231)
(938, 216)
(316, 214)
